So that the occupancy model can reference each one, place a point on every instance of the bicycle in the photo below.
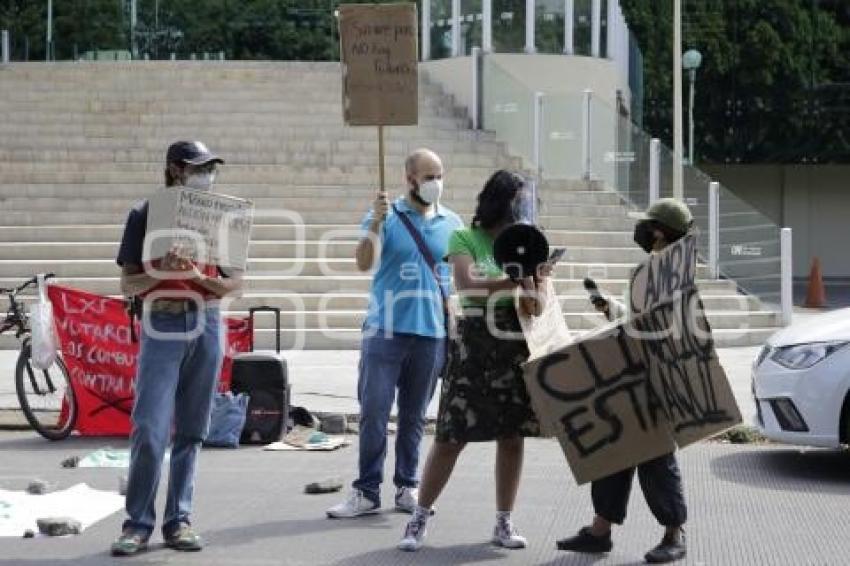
(46, 396)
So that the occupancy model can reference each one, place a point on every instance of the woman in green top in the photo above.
(484, 397)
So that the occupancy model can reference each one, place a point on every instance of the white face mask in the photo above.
(430, 191)
(200, 181)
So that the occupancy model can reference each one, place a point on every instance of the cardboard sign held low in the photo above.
(635, 390)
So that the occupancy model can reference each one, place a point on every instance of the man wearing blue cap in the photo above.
(178, 365)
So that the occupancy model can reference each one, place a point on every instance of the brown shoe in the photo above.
(184, 539)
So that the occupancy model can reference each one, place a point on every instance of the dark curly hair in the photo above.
(494, 200)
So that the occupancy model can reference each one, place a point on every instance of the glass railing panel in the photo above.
(509, 110)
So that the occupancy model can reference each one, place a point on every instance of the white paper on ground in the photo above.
(111, 458)
(19, 510)
(330, 443)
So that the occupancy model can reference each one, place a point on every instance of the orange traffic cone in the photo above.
(816, 293)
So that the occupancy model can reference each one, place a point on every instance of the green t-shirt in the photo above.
(477, 244)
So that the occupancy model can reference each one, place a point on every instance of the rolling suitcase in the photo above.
(263, 377)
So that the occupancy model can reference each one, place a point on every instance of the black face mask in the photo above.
(645, 235)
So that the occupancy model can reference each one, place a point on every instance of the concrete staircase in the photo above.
(81, 142)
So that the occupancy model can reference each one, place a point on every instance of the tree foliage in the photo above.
(774, 85)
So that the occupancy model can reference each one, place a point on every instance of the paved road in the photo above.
(749, 506)
(325, 381)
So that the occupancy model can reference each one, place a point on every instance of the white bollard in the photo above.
(538, 133)
(787, 290)
(654, 170)
(586, 149)
(714, 230)
(476, 87)
(4, 46)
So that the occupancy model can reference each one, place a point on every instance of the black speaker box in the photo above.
(264, 378)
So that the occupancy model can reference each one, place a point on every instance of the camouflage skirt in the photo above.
(484, 396)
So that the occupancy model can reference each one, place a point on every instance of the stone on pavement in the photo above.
(59, 526)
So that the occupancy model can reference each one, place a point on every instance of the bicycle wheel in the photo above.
(46, 396)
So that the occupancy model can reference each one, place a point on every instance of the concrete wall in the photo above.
(551, 74)
(813, 200)
(455, 75)
(557, 74)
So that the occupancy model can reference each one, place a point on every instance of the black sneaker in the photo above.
(670, 549)
(586, 542)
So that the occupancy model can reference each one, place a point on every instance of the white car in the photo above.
(801, 381)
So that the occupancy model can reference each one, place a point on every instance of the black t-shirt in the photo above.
(133, 240)
(130, 252)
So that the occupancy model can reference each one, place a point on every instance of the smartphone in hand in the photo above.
(556, 255)
(600, 302)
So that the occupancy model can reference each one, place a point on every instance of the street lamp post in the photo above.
(49, 46)
(691, 61)
(678, 184)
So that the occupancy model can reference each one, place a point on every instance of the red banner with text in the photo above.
(94, 333)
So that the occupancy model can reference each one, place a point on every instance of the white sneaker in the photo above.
(414, 533)
(356, 505)
(506, 535)
(406, 499)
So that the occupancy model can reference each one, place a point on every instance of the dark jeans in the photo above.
(410, 365)
(661, 483)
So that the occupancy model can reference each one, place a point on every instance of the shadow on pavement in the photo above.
(456, 554)
(244, 534)
(786, 469)
(572, 559)
(72, 444)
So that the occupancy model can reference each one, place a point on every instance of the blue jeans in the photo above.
(410, 364)
(175, 384)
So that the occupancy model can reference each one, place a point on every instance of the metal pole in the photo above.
(476, 90)
(426, 30)
(596, 27)
(787, 276)
(4, 40)
(586, 134)
(530, 21)
(654, 169)
(49, 46)
(714, 230)
(486, 25)
(133, 18)
(569, 27)
(678, 150)
(455, 28)
(611, 43)
(693, 77)
(538, 132)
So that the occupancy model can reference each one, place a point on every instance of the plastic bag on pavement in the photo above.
(227, 420)
(44, 342)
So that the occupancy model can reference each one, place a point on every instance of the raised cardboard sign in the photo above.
(633, 391)
(664, 276)
(210, 228)
(379, 48)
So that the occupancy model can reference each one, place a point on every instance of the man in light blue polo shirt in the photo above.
(404, 333)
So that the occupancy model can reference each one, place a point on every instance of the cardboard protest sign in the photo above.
(662, 278)
(633, 391)
(548, 332)
(684, 369)
(94, 333)
(379, 53)
(210, 228)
